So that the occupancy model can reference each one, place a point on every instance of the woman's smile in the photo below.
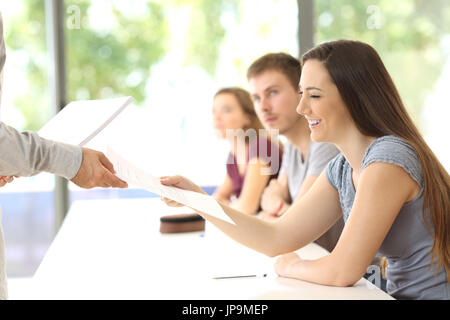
(313, 123)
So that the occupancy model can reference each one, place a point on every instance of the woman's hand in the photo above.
(181, 183)
(286, 265)
(269, 216)
(273, 198)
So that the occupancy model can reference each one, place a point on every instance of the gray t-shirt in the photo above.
(408, 244)
(297, 169)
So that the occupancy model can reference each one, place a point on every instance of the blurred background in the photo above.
(172, 56)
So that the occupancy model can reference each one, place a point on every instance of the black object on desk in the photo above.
(186, 222)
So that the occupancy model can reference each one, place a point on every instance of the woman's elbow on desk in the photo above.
(345, 280)
(324, 271)
(344, 273)
(346, 276)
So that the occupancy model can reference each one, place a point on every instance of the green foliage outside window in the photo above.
(407, 34)
(118, 60)
(111, 62)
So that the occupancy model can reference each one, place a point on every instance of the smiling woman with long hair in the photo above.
(388, 185)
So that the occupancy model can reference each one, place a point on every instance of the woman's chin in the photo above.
(317, 137)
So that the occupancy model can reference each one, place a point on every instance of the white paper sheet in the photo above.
(80, 121)
(137, 177)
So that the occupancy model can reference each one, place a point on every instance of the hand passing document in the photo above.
(134, 176)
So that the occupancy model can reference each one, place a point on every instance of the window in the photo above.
(27, 204)
(171, 56)
(413, 40)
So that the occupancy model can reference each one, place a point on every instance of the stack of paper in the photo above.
(80, 121)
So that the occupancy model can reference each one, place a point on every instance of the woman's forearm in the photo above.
(246, 205)
(248, 230)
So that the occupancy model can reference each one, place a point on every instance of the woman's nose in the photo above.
(302, 107)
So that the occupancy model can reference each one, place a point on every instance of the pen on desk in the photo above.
(241, 276)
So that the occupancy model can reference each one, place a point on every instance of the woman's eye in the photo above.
(300, 92)
(273, 92)
(314, 96)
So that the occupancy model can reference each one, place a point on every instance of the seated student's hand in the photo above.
(272, 199)
(96, 171)
(5, 179)
(267, 216)
(222, 200)
(181, 183)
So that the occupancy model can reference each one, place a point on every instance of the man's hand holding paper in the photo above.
(96, 171)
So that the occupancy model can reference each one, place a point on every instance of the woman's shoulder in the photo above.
(386, 145)
(394, 150)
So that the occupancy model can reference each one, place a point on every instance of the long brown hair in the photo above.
(375, 105)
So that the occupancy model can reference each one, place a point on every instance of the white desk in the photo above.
(112, 249)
